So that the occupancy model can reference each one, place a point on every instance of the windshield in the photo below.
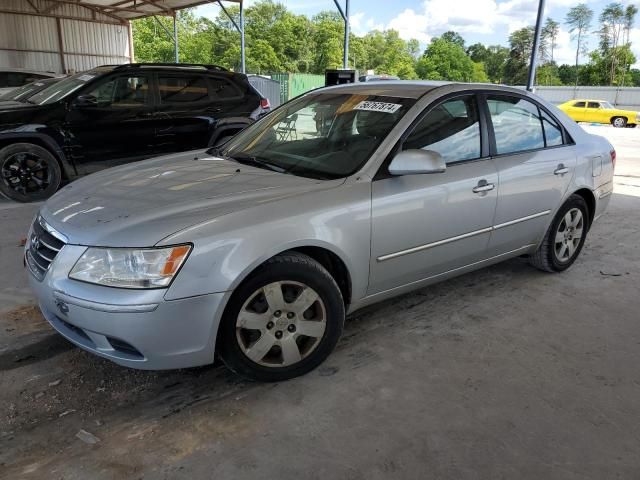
(64, 87)
(606, 105)
(321, 135)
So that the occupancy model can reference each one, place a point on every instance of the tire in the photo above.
(257, 341)
(550, 256)
(28, 172)
(619, 122)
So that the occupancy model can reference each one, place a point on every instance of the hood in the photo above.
(139, 204)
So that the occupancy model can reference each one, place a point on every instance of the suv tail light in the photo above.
(264, 103)
(613, 158)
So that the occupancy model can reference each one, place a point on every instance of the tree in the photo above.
(579, 21)
(629, 20)
(517, 66)
(445, 60)
(549, 38)
(453, 37)
(492, 57)
(612, 24)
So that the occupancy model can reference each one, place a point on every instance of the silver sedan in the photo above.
(258, 249)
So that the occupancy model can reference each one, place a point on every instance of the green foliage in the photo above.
(278, 40)
(446, 60)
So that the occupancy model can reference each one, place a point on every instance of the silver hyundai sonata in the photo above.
(257, 249)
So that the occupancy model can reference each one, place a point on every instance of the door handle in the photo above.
(483, 186)
(561, 170)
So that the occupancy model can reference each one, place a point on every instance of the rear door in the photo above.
(114, 124)
(424, 225)
(185, 111)
(536, 161)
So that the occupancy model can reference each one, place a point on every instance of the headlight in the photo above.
(130, 268)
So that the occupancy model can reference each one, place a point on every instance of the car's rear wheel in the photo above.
(28, 172)
(283, 321)
(565, 237)
(619, 122)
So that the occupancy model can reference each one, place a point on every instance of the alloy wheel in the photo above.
(26, 173)
(569, 235)
(281, 323)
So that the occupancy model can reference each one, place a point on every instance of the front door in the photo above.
(424, 225)
(578, 111)
(535, 162)
(111, 123)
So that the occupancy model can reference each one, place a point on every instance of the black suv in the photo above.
(118, 114)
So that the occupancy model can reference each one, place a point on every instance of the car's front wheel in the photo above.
(28, 172)
(283, 321)
(565, 237)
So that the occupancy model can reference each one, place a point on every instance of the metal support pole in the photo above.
(345, 61)
(242, 56)
(531, 79)
(175, 38)
(345, 16)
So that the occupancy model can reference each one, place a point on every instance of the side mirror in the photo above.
(85, 101)
(410, 162)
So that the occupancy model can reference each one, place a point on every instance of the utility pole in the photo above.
(531, 79)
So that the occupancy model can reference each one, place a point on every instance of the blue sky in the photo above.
(486, 21)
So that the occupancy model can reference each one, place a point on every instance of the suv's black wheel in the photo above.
(564, 240)
(283, 321)
(28, 172)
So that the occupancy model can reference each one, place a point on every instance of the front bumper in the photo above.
(134, 328)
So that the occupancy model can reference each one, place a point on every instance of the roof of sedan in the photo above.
(404, 88)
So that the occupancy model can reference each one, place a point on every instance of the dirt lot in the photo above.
(504, 373)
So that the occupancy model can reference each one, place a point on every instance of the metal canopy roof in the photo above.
(132, 9)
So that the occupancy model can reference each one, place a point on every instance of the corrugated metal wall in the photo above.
(30, 40)
(269, 88)
(627, 97)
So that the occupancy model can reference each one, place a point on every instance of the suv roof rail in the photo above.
(174, 65)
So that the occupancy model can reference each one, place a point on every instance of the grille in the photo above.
(43, 248)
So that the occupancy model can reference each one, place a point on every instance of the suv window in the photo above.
(516, 124)
(579, 104)
(594, 105)
(222, 89)
(452, 129)
(183, 89)
(122, 92)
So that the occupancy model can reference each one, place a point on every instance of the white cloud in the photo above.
(410, 25)
(463, 16)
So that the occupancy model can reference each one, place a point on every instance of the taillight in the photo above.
(613, 158)
(264, 103)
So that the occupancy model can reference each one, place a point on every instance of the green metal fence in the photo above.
(294, 84)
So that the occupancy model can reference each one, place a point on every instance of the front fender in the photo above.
(227, 249)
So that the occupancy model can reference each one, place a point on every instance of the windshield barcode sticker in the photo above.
(377, 106)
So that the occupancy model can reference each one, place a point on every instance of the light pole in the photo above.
(531, 79)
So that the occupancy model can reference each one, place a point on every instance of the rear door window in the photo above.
(183, 89)
(223, 89)
(579, 104)
(516, 124)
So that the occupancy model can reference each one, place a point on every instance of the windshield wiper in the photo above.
(256, 162)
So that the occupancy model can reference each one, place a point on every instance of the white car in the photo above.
(11, 78)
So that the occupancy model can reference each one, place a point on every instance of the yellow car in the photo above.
(599, 111)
